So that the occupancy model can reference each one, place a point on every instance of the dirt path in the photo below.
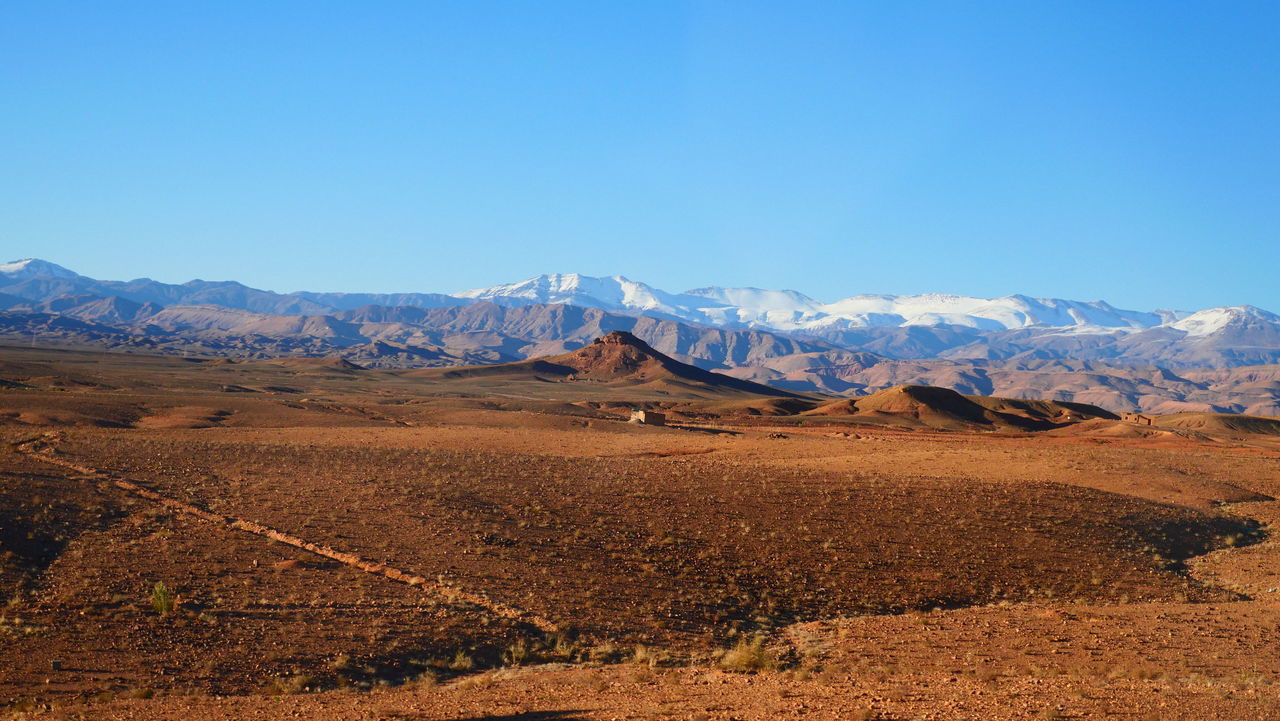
(42, 449)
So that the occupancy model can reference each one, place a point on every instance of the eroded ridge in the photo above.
(42, 449)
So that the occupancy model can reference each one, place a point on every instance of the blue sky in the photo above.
(1120, 150)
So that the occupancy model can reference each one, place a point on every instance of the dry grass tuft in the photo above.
(462, 661)
(651, 657)
(748, 656)
(298, 683)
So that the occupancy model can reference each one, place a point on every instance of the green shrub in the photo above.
(162, 598)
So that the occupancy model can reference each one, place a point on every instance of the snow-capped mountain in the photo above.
(763, 322)
(33, 268)
(753, 307)
(1015, 311)
(1215, 320)
(788, 310)
(609, 293)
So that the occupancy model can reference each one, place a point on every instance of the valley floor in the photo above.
(566, 565)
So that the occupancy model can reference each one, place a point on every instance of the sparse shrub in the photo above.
(748, 656)
(641, 675)
(646, 656)
(298, 683)
(475, 682)
(23, 706)
(564, 645)
(462, 661)
(426, 679)
(605, 653)
(162, 598)
(518, 653)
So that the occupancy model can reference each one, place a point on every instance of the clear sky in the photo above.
(1128, 151)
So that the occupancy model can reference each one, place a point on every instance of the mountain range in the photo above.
(1215, 359)
(788, 310)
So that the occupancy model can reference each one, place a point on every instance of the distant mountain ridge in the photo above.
(1016, 346)
(907, 326)
(39, 281)
(780, 310)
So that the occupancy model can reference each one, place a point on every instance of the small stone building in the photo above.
(649, 418)
(1139, 418)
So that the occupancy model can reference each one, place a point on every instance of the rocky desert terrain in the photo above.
(196, 538)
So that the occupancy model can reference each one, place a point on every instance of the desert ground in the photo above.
(304, 538)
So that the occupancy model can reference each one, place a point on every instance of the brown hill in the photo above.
(1254, 390)
(331, 364)
(1104, 428)
(762, 406)
(1043, 410)
(1221, 423)
(943, 408)
(617, 359)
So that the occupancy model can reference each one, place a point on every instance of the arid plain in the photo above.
(305, 538)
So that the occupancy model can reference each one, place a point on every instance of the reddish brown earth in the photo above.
(529, 555)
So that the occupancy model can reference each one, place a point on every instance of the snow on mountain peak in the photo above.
(34, 268)
(1212, 320)
(609, 293)
(788, 310)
